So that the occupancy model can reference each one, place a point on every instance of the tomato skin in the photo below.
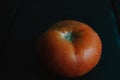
(69, 48)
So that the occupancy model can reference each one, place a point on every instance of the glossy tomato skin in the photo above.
(69, 48)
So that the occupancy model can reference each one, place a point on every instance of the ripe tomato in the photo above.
(69, 48)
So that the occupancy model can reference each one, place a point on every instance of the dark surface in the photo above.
(29, 18)
(116, 9)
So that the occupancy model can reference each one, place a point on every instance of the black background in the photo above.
(29, 18)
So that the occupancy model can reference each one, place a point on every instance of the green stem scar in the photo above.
(68, 36)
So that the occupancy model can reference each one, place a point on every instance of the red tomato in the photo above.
(69, 48)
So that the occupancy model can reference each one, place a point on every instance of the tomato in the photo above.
(69, 48)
